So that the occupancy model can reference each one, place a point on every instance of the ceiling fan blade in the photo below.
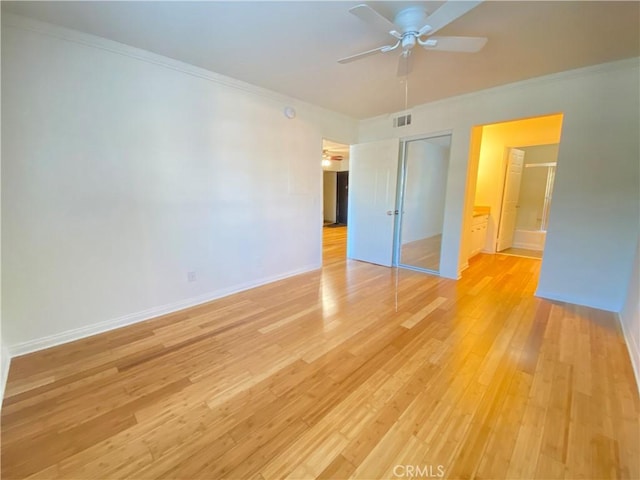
(454, 44)
(367, 14)
(358, 56)
(446, 14)
(405, 64)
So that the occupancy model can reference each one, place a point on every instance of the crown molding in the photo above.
(601, 68)
(93, 41)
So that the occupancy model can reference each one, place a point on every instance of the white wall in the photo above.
(5, 358)
(424, 190)
(329, 196)
(593, 226)
(630, 316)
(124, 170)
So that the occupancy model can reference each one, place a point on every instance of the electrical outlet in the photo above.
(191, 276)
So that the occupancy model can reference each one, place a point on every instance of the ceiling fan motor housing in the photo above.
(411, 19)
(408, 41)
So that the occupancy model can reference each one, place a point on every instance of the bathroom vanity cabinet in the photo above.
(478, 232)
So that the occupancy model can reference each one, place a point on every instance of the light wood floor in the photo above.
(522, 252)
(423, 253)
(355, 371)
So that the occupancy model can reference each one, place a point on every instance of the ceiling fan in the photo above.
(327, 155)
(413, 26)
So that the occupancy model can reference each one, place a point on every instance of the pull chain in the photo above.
(406, 92)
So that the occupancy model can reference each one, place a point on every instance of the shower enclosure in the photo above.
(534, 203)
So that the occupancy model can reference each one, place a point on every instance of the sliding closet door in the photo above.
(424, 181)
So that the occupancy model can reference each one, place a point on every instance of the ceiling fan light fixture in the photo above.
(411, 19)
(408, 41)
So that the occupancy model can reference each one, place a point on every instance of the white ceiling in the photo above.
(292, 47)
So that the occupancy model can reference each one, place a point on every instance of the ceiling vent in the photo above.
(402, 120)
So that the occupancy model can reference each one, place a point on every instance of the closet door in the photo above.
(373, 172)
(425, 170)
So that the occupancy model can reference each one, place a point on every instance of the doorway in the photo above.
(335, 193)
(514, 185)
(335, 179)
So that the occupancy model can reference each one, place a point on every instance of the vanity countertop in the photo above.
(479, 210)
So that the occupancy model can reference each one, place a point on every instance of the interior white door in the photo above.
(510, 199)
(373, 172)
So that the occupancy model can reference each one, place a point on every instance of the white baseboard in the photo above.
(6, 362)
(527, 246)
(585, 302)
(462, 269)
(634, 353)
(100, 327)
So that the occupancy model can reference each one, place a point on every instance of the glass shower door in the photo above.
(422, 201)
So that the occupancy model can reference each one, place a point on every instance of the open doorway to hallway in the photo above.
(335, 201)
(516, 163)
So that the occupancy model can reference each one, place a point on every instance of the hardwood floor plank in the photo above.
(50, 447)
(340, 467)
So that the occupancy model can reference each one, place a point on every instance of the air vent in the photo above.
(402, 120)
